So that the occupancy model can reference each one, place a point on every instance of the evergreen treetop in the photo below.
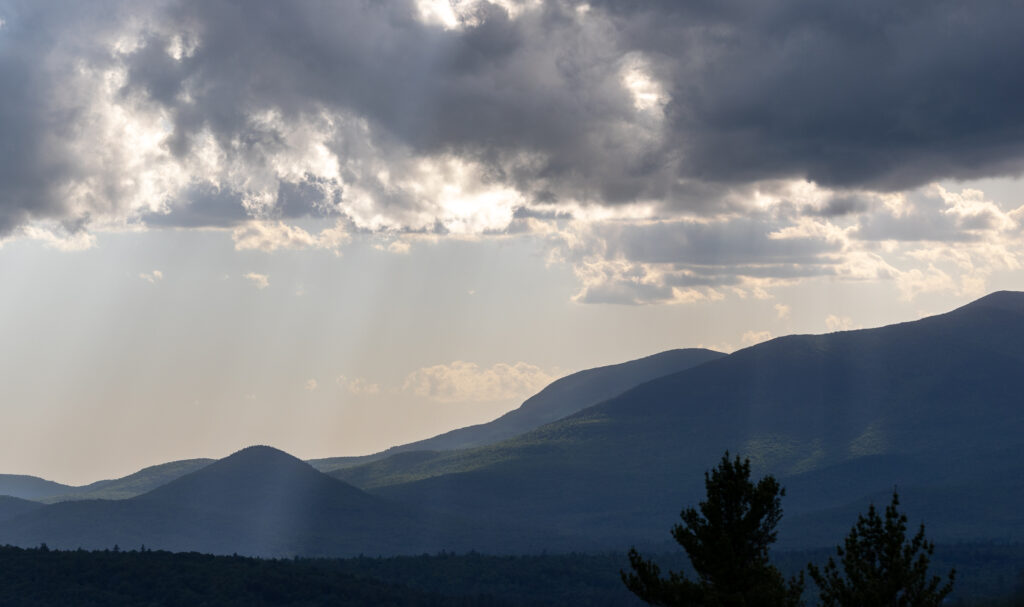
(727, 541)
(881, 567)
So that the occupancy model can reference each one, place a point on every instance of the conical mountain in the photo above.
(258, 501)
(259, 476)
(928, 403)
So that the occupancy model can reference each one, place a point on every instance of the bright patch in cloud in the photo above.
(438, 12)
(648, 94)
(782, 311)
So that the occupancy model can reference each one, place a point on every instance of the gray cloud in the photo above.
(877, 94)
(839, 206)
(202, 206)
(205, 205)
(680, 260)
(923, 220)
(873, 96)
(538, 100)
(730, 243)
(32, 165)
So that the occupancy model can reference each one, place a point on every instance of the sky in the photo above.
(334, 227)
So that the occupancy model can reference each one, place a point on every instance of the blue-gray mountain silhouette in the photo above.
(559, 399)
(933, 406)
(30, 487)
(13, 506)
(151, 477)
(258, 501)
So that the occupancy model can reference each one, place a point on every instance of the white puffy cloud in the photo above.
(270, 236)
(930, 240)
(260, 281)
(152, 277)
(462, 381)
(750, 338)
(399, 247)
(838, 323)
(638, 260)
(782, 311)
(61, 239)
(931, 279)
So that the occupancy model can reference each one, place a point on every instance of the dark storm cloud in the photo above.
(872, 95)
(541, 86)
(31, 168)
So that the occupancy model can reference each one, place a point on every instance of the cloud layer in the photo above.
(666, 150)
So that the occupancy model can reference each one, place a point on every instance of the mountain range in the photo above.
(257, 501)
(561, 398)
(933, 407)
(147, 479)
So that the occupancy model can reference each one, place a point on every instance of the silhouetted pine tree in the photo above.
(727, 542)
(881, 567)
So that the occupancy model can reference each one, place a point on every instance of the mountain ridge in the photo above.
(30, 487)
(257, 501)
(931, 405)
(936, 389)
(577, 389)
(558, 399)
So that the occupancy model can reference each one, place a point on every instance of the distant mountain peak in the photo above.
(261, 452)
(256, 474)
(1002, 300)
(257, 461)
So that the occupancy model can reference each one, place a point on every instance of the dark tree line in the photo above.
(40, 576)
(728, 540)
